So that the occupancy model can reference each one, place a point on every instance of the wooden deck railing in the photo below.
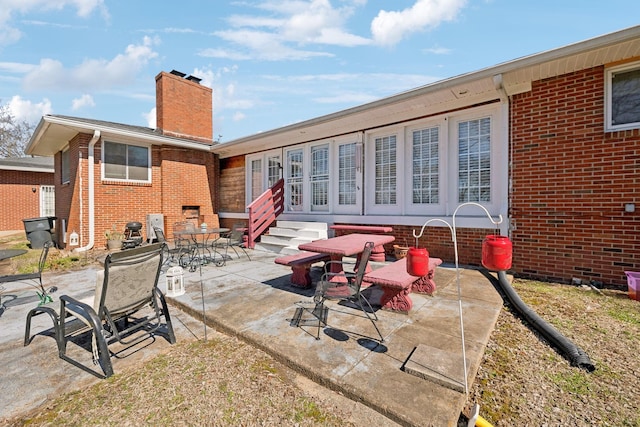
(264, 210)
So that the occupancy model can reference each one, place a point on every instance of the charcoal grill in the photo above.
(132, 235)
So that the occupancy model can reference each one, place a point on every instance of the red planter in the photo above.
(496, 252)
(418, 262)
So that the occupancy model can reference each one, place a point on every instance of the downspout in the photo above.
(505, 106)
(91, 195)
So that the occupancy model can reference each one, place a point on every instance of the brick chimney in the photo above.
(184, 107)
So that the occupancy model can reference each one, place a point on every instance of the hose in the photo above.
(575, 355)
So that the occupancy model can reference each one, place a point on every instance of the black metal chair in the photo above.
(344, 286)
(127, 286)
(234, 239)
(170, 252)
(36, 276)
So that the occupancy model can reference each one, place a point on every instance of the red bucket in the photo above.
(418, 262)
(496, 252)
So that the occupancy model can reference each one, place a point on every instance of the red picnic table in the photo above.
(346, 245)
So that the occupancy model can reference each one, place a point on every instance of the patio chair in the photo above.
(234, 239)
(36, 276)
(344, 286)
(127, 285)
(170, 252)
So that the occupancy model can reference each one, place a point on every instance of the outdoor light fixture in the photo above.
(34, 189)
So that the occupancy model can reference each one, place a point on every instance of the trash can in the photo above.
(39, 230)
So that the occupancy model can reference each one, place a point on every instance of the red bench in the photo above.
(396, 284)
(300, 264)
(378, 252)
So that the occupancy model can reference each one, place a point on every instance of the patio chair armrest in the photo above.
(70, 305)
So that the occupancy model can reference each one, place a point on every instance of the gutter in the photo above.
(91, 196)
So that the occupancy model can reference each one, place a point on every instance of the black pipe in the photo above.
(576, 356)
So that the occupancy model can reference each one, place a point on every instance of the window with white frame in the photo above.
(623, 97)
(385, 170)
(256, 178)
(126, 162)
(430, 166)
(425, 166)
(65, 167)
(47, 200)
(262, 172)
(294, 180)
(347, 179)
(320, 178)
(474, 160)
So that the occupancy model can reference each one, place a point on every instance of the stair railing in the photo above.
(264, 210)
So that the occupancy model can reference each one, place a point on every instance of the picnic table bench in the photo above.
(396, 284)
(300, 264)
(377, 254)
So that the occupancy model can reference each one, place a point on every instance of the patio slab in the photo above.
(255, 301)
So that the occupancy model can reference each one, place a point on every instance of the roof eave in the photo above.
(41, 145)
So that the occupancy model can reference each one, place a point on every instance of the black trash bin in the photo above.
(38, 230)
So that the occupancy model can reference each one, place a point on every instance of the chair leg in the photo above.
(167, 316)
(373, 322)
(54, 318)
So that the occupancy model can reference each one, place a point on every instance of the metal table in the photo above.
(198, 254)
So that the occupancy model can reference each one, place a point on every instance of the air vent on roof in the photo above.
(194, 79)
(177, 73)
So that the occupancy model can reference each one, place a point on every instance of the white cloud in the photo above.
(92, 74)
(438, 50)
(238, 116)
(292, 24)
(84, 101)
(150, 118)
(388, 28)
(8, 8)
(24, 110)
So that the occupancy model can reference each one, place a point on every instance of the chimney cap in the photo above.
(178, 73)
(194, 79)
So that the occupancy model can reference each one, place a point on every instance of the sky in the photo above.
(270, 63)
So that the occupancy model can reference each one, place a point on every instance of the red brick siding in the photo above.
(570, 183)
(18, 199)
(180, 177)
(183, 108)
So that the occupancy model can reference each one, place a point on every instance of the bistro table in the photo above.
(201, 245)
(345, 245)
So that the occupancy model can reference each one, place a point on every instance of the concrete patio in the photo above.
(413, 378)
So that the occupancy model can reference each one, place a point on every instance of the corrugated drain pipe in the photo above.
(575, 354)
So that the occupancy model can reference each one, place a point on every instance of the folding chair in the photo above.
(344, 286)
(127, 285)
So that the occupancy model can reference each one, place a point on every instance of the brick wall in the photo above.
(18, 199)
(570, 183)
(180, 177)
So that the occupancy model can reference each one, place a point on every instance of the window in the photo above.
(623, 97)
(126, 162)
(262, 172)
(47, 200)
(320, 178)
(347, 187)
(256, 178)
(474, 161)
(65, 170)
(385, 170)
(425, 166)
(294, 180)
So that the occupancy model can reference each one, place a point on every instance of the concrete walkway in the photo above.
(413, 378)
